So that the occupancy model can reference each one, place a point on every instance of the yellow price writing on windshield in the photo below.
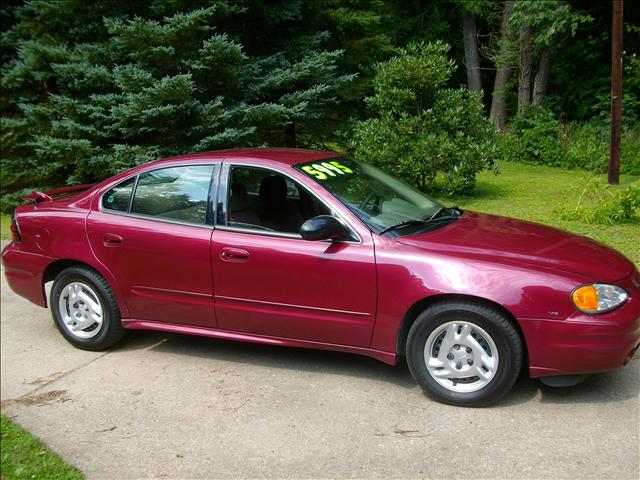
(324, 170)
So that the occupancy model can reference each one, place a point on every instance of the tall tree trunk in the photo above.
(498, 111)
(526, 67)
(542, 77)
(471, 57)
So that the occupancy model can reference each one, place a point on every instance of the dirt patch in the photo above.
(43, 398)
(47, 379)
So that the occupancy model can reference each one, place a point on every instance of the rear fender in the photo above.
(52, 236)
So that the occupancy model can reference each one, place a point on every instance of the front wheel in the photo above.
(464, 353)
(85, 310)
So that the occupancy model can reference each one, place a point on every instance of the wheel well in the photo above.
(55, 267)
(418, 307)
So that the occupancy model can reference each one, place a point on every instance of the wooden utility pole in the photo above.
(616, 92)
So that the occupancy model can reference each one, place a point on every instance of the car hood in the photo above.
(508, 240)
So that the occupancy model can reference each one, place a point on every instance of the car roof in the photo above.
(288, 156)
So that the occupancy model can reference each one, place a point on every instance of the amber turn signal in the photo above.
(586, 298)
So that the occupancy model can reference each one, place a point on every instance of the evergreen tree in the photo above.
(91, 88)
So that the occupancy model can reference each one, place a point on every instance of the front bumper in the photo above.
(584, 343)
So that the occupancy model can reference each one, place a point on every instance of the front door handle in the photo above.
(111, 240)
(230, 254)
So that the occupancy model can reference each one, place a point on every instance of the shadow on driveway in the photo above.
(607, 387)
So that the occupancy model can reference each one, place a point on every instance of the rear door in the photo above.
(153, 232)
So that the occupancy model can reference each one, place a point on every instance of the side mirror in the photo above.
(324, 227)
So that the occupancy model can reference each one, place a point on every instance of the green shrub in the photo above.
(630, 152)
(587, 147)
(539, 138)
(533, 138)
(606, 204)
(436, 138)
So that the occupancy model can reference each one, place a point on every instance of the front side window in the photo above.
(264, 200)
(175, 193)
(119, 196)
(378, 199)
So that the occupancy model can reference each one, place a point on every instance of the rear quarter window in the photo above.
(118, 197)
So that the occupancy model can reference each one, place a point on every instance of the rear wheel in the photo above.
(84, 309)
(464, 353)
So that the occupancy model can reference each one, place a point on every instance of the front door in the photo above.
(269, 281)
(151, 231)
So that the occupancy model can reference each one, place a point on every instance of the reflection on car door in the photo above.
(157, 246)
(283, 286)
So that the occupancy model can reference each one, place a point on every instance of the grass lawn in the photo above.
(5, 226)
(24, 456)
(540, 194)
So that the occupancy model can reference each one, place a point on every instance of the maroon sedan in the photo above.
(312, 249)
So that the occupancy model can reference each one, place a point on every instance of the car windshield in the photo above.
(378, 199)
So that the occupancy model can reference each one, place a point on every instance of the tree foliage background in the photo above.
(91, 88)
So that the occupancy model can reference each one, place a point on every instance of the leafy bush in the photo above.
(436, 138)
(631, 95)
(539, 138)
(533, 138)
(587, 147)
(606, 204)
(630, 108)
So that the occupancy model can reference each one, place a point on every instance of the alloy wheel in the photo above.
(461, 356)
(80, 310)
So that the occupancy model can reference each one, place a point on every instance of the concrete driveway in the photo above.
(170, 406)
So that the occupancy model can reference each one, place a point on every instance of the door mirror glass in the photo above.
(324, 227)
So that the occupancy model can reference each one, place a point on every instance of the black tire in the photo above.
(500, 330)
(111, 330)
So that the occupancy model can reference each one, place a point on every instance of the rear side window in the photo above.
(118, 197)
(176, 193)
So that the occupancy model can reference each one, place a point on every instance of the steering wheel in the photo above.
(370, 197)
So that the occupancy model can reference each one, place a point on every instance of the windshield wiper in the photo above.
(406, 223)
(432, 219)
(440, 210)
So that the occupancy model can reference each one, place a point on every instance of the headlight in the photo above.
(598, 297)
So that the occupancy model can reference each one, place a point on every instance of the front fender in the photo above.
(408, 275)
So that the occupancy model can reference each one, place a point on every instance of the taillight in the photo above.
(15, 230)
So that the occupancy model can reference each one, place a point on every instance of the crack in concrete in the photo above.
(65, 374)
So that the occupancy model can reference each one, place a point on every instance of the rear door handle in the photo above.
(230, 254)
(111, 240)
